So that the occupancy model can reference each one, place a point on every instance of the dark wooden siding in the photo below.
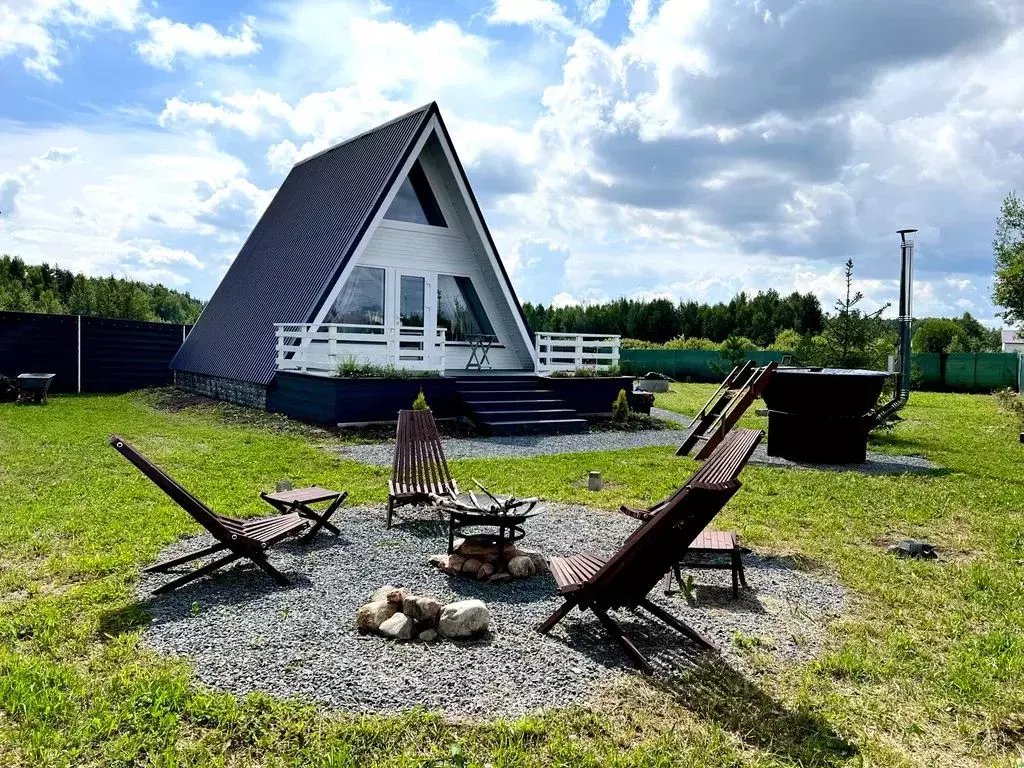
(594, 395)
(323, 400)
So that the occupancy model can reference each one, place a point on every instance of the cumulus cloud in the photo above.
(38, 30)
(10, 187)
(169, 40)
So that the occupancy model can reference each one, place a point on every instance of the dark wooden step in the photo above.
(521, 404)
(537, 427)
(502, 394)
(534, 414)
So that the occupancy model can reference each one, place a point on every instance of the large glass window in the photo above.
(411, 290)
(361, 300)
(415, 201)
(459, 309)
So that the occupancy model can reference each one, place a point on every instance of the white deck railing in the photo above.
(321, 348)
(569, 351)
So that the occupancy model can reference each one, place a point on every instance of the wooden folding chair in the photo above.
(419, 472)
(599, 584)
(249, 538)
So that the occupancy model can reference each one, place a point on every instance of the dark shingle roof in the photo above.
(297, 251)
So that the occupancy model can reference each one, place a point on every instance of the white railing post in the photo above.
(569, 351)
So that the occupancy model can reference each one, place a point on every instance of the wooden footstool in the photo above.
(300, 500)
(707, 545)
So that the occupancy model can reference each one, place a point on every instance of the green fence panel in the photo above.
(996, 370)
(928, 366)
(959, 372)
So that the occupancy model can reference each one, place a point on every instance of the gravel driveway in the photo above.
(244, 634)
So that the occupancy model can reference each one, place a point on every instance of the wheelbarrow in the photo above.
(32, 387)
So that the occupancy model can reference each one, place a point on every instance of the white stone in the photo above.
(370, 616)
(522, 567)
(464, 618)
(398, 626)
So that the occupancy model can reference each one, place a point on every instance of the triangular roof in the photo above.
(301, 245)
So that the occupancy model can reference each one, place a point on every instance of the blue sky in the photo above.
(681, 148)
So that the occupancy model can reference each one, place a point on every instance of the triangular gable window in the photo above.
(415, 201)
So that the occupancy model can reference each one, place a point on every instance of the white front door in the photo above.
(414, 313)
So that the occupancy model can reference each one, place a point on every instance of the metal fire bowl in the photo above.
(830, 392)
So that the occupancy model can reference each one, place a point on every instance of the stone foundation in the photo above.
(219, 388)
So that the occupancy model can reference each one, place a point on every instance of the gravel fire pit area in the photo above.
(244, 634)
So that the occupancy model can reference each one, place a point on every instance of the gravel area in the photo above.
(520, 446)
(244, 634)
(523, 446)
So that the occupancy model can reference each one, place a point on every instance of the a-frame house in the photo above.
(373, 253)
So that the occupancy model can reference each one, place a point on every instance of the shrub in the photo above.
(704, 345)
(787, 340)
(620, 408)
(1009, 400)
(420, 403)
(586, 373)
(351, 368)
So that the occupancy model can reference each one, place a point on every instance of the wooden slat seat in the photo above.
(721, 465)
(623, 580)
(243, 538)
(419, 471)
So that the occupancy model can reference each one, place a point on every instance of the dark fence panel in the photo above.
(115, 355)
(121, 355)
(33, 343)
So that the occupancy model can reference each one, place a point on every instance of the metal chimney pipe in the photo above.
(906, 310)
(902, 393)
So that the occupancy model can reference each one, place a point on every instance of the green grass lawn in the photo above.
(926, 668)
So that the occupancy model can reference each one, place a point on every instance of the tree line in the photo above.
(759, 318)
(42, 288)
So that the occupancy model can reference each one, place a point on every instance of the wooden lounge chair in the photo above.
(248, 538)
(419, 473)
(624, 580)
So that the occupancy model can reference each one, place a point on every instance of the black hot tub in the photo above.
(821, 415)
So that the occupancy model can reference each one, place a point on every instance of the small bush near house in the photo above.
(420, 403)
(351, 368)
(1010, 401)
(620, 408)
(586, 373)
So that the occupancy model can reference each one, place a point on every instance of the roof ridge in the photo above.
(410, 113)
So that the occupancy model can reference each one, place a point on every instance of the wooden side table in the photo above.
(300, 500)
(710, 543)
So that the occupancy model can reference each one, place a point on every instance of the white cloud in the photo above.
(169, 40)
(594, 11)
(540, 13)
(10, 188)
(124, 202)
(37, 30)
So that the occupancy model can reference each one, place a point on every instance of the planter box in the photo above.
(589, 395)
(329, 400)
